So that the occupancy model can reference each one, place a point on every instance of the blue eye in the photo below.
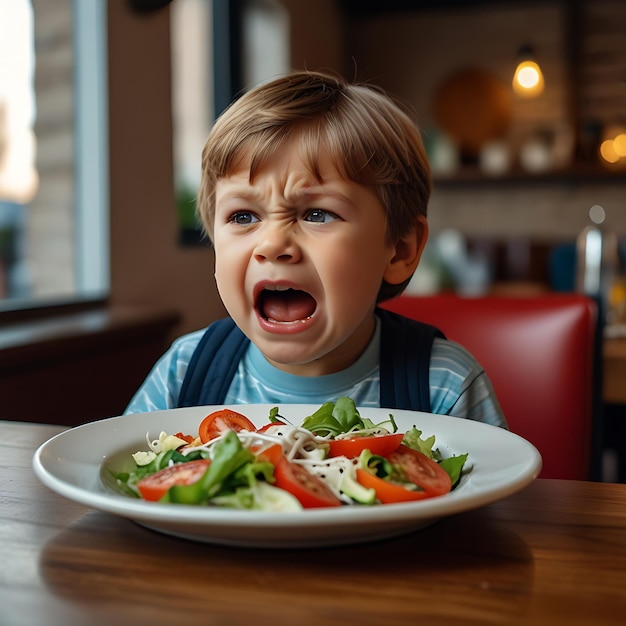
(319, 216)
(243, 218)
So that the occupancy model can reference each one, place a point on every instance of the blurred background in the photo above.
(105, 106)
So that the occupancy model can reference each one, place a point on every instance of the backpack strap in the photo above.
(213, 364)
(405, 350)
(404, 363)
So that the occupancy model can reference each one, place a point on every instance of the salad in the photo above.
(335, 457)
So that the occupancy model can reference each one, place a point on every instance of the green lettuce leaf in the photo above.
(454, 466)
(413, 439)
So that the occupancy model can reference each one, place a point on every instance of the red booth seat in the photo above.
(539, 354)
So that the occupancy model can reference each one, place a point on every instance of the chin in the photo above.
(292, 360)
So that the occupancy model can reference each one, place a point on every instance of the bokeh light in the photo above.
(528, 79)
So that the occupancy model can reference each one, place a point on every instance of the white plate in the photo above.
(70, 464)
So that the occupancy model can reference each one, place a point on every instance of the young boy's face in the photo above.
(299, 263)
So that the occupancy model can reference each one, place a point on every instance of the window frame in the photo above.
(91, 238)
(91, 209)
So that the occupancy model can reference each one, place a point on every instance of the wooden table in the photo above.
(554, 553)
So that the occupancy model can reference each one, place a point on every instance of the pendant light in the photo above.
(528, 78)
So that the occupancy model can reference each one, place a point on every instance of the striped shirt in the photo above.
(458, 384)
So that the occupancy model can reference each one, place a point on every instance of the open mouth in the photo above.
(285, 305)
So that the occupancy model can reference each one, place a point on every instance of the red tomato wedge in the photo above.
(387, 492)
(419, 469)
(310, 491)
(272, 454)
(155, 486)
(221, 421)
(265, 428)
(382, 445)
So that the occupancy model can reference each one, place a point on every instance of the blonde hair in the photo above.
(370, 138)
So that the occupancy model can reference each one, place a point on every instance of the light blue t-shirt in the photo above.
(458, 384)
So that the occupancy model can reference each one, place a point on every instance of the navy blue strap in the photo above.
(405, 362)
(213, 364)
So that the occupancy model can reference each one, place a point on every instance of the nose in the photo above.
(278, 242)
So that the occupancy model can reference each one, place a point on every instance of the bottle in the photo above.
(597, 261)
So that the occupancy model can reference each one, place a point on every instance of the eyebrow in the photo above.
(310, 193)
(239, 192)
(315, 192)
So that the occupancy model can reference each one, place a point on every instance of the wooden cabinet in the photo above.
(79, 367)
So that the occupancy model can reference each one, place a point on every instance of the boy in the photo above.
(314, 194)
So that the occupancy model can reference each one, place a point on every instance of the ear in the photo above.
(408, 253)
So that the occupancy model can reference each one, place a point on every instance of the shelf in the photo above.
(575, 175)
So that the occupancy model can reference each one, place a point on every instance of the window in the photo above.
(218, 49)
(53, 148)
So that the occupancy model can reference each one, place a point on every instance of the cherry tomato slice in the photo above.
(307, 488)
(382, 445)
(265, 428)
(220, 421)
(155, 486)
(421, 470)
(387, 492)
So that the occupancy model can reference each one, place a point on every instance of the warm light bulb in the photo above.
(528, 79)
(528, 76)
(608, 152)
(619, 145)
